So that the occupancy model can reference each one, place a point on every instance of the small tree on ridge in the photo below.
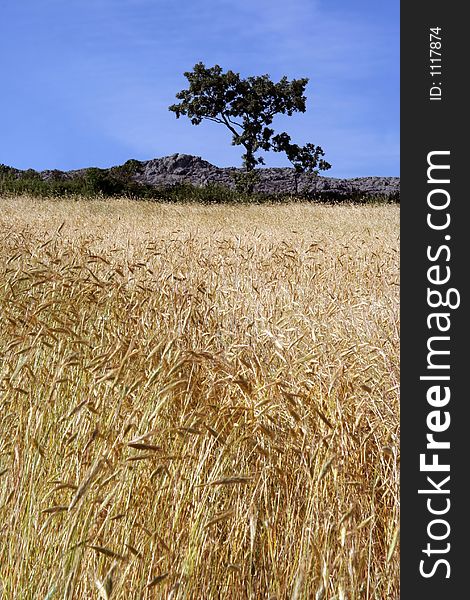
(247, 107)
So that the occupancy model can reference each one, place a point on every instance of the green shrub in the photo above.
(118, 181)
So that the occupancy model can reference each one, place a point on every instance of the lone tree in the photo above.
(247, 108)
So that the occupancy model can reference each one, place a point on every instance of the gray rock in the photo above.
(184, 168)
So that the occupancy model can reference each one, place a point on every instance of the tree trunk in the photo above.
(249, 163)
(296, 183)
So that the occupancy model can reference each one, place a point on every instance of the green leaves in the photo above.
(304, 159)
(247, 108)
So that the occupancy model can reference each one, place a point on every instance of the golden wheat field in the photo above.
(198, 402)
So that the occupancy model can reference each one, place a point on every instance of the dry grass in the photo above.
(198, 402)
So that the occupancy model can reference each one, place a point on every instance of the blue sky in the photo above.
(89, 82)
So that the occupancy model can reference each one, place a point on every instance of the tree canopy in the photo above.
(247, 107)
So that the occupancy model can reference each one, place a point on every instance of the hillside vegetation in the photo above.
(182, 177)
(198, 402)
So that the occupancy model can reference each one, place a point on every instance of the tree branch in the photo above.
(215, 119)
(228, 124)
(235, 123)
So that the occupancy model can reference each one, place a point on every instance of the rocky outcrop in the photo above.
(186, 169)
